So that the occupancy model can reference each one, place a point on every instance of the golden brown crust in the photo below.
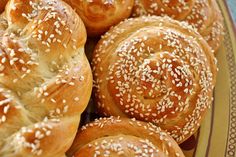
(204, 15)
(100, 15)
(123, 137)
(2, 5)
(155, 69)
(45, 78)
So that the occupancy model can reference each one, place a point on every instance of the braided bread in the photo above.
(100, 15)
(157, 70)
(46, 80)
(204, 15)
(123, 137)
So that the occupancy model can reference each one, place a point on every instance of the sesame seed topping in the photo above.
(39, 86)
(152, 82)
(152, 142)
(197, 13)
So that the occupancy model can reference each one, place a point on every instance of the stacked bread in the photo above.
(154, 72)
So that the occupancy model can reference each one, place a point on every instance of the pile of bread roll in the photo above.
(152, 70)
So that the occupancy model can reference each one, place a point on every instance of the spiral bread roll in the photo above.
(157, 70)
(204, 15)
(99, 15)
(45, 78)
(123, 137)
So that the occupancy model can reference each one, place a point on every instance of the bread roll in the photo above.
(118, 137)
(45, 78)
(204, 15)
(157, 70)
(100, 15)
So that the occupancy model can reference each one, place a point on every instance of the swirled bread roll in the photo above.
(99, 15)
(45, 78)
(204, 15)
(118, 137)
(157, 70)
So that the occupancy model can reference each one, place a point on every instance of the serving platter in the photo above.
(217, 135)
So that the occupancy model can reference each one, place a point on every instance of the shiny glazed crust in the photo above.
(118, 137)
(157, 70)
(100, 15)
(45, 78)
(204, 15)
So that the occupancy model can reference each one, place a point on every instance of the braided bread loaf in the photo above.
(99, 15)
(123, 137)
(155, 69)
(204, 15)
(45, 78)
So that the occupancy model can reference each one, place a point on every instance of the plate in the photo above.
(217, 135)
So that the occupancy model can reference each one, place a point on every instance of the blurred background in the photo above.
(232, 7)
